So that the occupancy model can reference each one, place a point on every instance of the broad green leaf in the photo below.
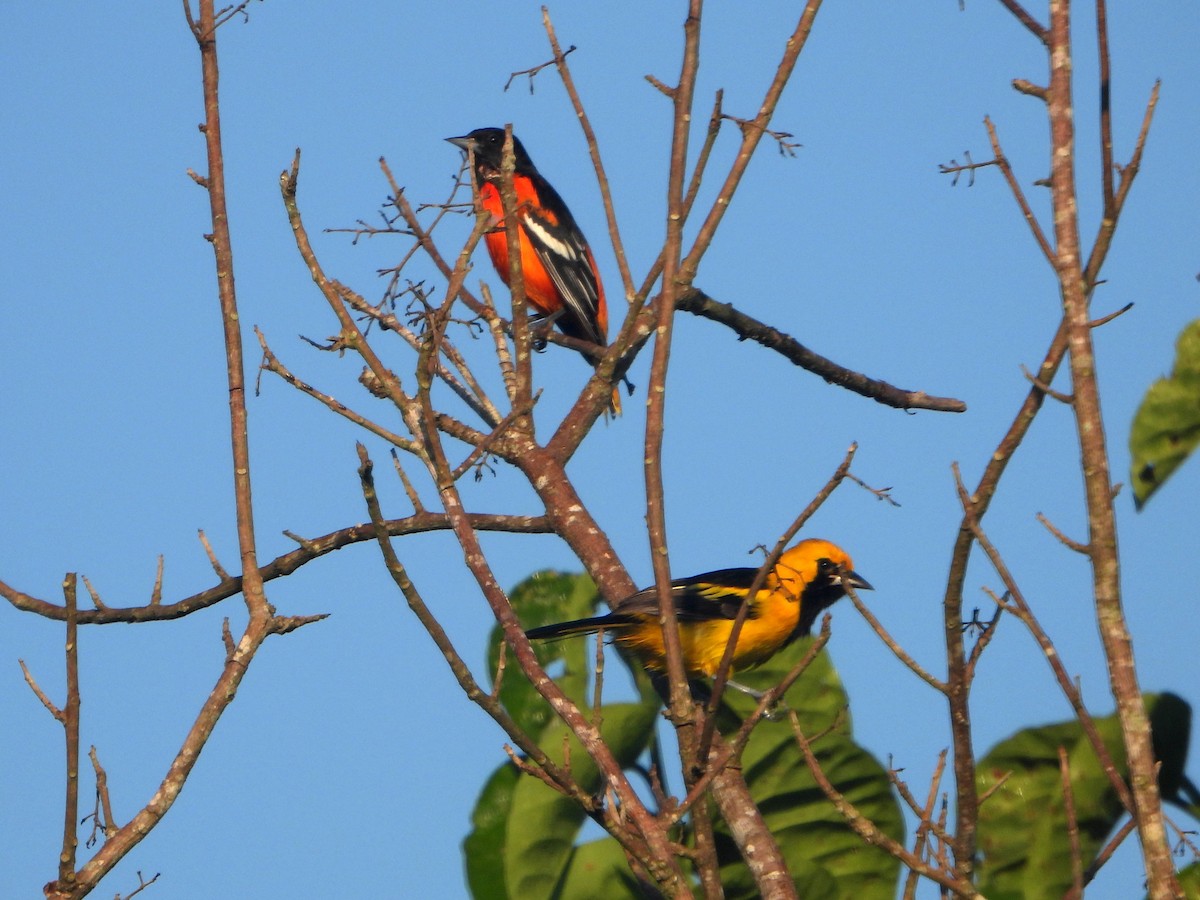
(1189, 880)
(598, 869)
(1023, 825)
(543, 598)
(1166, 427)
(535, 852)
(483, 848)
(543, 824)
(825, 856)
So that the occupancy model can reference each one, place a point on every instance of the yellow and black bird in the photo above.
(808, 579)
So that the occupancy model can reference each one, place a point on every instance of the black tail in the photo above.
(579, 626)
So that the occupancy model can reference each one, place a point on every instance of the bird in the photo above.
(808, 579)
(562, 283)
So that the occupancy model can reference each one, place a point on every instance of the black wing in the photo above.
(713, 595)
(563, 250)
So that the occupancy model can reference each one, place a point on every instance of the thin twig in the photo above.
(533, 71)
(927, 825)
(1109, 849)
(610, 212)
(1064, 768)
(1063, 539)
(1024, 612)
(156, 591)
(1065, 399)
(899, 652)
(1035, 28)
(867, 830)
(103, 800)
(93, 593)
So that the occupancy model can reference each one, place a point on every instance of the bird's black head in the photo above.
(488, 146)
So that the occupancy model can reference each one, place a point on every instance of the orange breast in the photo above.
(540, 291)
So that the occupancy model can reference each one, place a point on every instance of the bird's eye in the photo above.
(826, 566)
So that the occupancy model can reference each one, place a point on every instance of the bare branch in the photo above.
(955, 168)
(1021, 609)
(156, 591)
(1035, 28)
(1064, 768)
(1028, 87)
(212, 557)
(281, 566)
(899, 652)
(1066, 541)
(610, 212)
(104, 814)
(867, 830)
(533, 71)
(39, 693)
(1018, 194)
(70, 720)
(95, 595)
(697, 302)
(143, 883)
(1065, 399)
(1109, 849)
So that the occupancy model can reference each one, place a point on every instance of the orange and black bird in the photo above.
(808, 579)
(562, 283)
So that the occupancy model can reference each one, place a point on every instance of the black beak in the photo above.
(463, 143)
(856, 581)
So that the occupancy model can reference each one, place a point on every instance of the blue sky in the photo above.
(349, 759)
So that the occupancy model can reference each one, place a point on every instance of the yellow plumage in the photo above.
(808, 578)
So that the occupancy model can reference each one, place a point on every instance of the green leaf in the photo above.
(523, 840)
(543, 824)
(1023, 835)
(483, 848)
(1166, 427)
(825, 856)
(542, 598)
(1189, 881)
(598, 869)
(535, 853)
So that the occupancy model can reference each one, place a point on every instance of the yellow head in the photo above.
(815, 573)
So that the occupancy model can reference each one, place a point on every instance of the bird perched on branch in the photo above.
(562, 283)
(808, 579)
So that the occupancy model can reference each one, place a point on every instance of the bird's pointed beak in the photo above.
(463, 143)
(856, 581)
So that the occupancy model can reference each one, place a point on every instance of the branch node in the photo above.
(95, 594)
(663, 89)
(302, 541)
(212, 557)
(288, 624)
(955, 168)
(1067, 399)
(534, 70)
(1104, 320)
(156, 591)
(39, 693)
(1028, 87)
(1067, 542)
